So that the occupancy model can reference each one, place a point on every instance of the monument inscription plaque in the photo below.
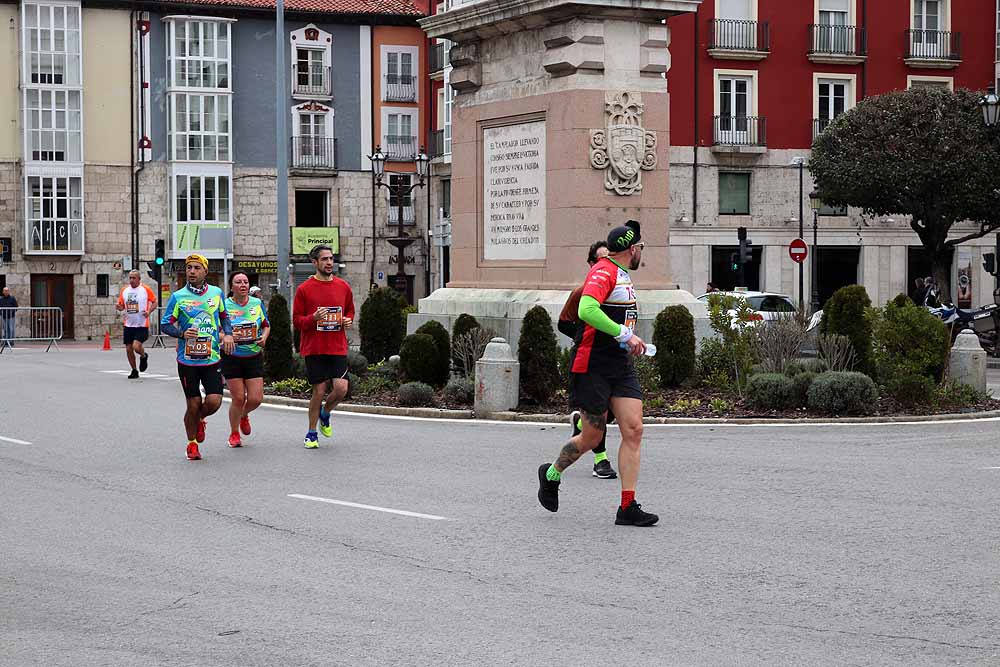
(514, 192)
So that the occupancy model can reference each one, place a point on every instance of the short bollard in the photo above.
(967, 363)
(498, 376)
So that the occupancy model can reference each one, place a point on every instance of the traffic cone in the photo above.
(107, 340)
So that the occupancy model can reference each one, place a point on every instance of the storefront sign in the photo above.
(514, 192)
(256, 265)
(305, 239)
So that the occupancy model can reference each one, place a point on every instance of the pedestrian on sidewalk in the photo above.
(244, 368)
(196, 316)
(323, 309)
(8, 316)
(136, 301)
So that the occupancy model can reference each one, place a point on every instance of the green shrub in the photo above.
(731, 320)
(771, 391)
(848, 393)
(816, 366)
(720, 405)
(800, 388)
(673, 335)
(794, 368)
(418, 358)
(565, 364)
(356, 363)
(910, 344)
(437, 331)
(353, 384)
(846, 314)
(955, 395)
(648, 374)
(901, 300)
(381, 325)
(404, 316)
(464, 323)
(715, 365)
(278, 363)
(460, 390)
(291, 386)
(377, 383)
(415, 394)
(538, 354)
(298, 367)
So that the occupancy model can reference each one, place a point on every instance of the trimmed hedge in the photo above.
(846, 314)
(842, 393)
(460, 390)
(771, 391)
(278, 361)
(415, 394)
(381, 325)
(538, 354)
(437, 331)
(673, 335)
(418, 358)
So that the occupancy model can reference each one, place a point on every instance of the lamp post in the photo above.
(400, 192)
(990, 104)
(815, 203)
(801, 162)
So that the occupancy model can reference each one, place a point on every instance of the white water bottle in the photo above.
(650, 350)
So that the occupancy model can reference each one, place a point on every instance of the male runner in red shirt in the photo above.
(323, 309)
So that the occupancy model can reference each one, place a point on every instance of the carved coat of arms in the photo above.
(623, 149)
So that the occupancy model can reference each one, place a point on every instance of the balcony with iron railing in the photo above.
(819, 125)
(399, 88)
(733, 39)
(399, 148)
(311, 81)
(739, 134)
(438, 58)
(313, 153)
(837, 44)
(933, 49)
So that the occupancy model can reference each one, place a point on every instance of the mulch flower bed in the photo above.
(696, 403)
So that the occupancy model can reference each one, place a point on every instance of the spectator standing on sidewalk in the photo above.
(7, 316)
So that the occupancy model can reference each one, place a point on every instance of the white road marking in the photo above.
(992, 468)
(15, 441)
(416, 515)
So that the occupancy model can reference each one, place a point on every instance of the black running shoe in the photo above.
(133, 375)
(143, 363)
(574, 419)
(604, 470)
(548, 491)
(634, 516)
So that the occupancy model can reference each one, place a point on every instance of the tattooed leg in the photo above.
(588, 438)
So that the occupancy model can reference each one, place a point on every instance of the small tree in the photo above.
(464, 323)
(922, 152)
(538, 354)
(418, 358)
(381, 325)
(846, 314)
(673, 335)
(436, 331)
(278, 363)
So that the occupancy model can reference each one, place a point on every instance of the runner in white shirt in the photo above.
(136, 301)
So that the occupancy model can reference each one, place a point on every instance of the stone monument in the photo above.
(559, 133)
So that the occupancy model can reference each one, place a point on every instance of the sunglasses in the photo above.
(640, 245)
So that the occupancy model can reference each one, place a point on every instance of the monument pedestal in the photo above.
(560, 132)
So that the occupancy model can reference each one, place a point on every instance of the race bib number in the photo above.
(245, 333)
(198, 348)
(332, 319)
(631, 317)
(132, 307)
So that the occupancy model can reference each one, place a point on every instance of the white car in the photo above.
(766, 305)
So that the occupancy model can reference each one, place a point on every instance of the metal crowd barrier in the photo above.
(24, 325)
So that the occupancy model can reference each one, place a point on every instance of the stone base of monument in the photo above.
(503, 310)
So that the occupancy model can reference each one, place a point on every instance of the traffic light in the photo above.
(159, 257)
(734, 261)
(161, 252)
(990, 263)
(746, 247)
(155, 271)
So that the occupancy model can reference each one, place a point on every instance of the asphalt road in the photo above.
(800, 545)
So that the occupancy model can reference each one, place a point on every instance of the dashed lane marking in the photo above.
(331, 501)
(15, 441)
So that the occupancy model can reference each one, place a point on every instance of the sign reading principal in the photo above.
(514, 192)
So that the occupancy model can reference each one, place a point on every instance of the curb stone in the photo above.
(440, 413)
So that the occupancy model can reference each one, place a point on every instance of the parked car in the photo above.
(766, 305)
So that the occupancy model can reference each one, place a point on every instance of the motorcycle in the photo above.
(984, 322)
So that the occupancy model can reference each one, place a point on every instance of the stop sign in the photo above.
(798, 250)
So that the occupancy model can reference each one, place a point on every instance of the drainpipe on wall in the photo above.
(694, 175)
(431, 100)
(864, 63)
(371, 93)
(134, 232)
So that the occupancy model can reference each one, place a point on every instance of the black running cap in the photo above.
(622, 238)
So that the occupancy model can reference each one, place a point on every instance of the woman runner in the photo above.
(244, 368)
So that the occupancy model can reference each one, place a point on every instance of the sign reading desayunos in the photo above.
(514, 192)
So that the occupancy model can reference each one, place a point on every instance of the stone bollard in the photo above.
(967, 363)
(498, 377)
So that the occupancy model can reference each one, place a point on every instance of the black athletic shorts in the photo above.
(323, 367)
(246, 368)
(135, 333)
(193, 376)
(592, 392)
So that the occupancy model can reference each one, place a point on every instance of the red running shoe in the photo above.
(193, 454)
(245, 425)
(200, 437)
(234, 440)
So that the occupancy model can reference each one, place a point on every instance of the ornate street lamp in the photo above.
(990, 104)
(815, 203)
(402, 240)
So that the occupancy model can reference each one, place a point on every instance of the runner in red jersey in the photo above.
(322, 311)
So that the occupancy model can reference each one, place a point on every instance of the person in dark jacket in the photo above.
(919, 291)
(7, 318)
